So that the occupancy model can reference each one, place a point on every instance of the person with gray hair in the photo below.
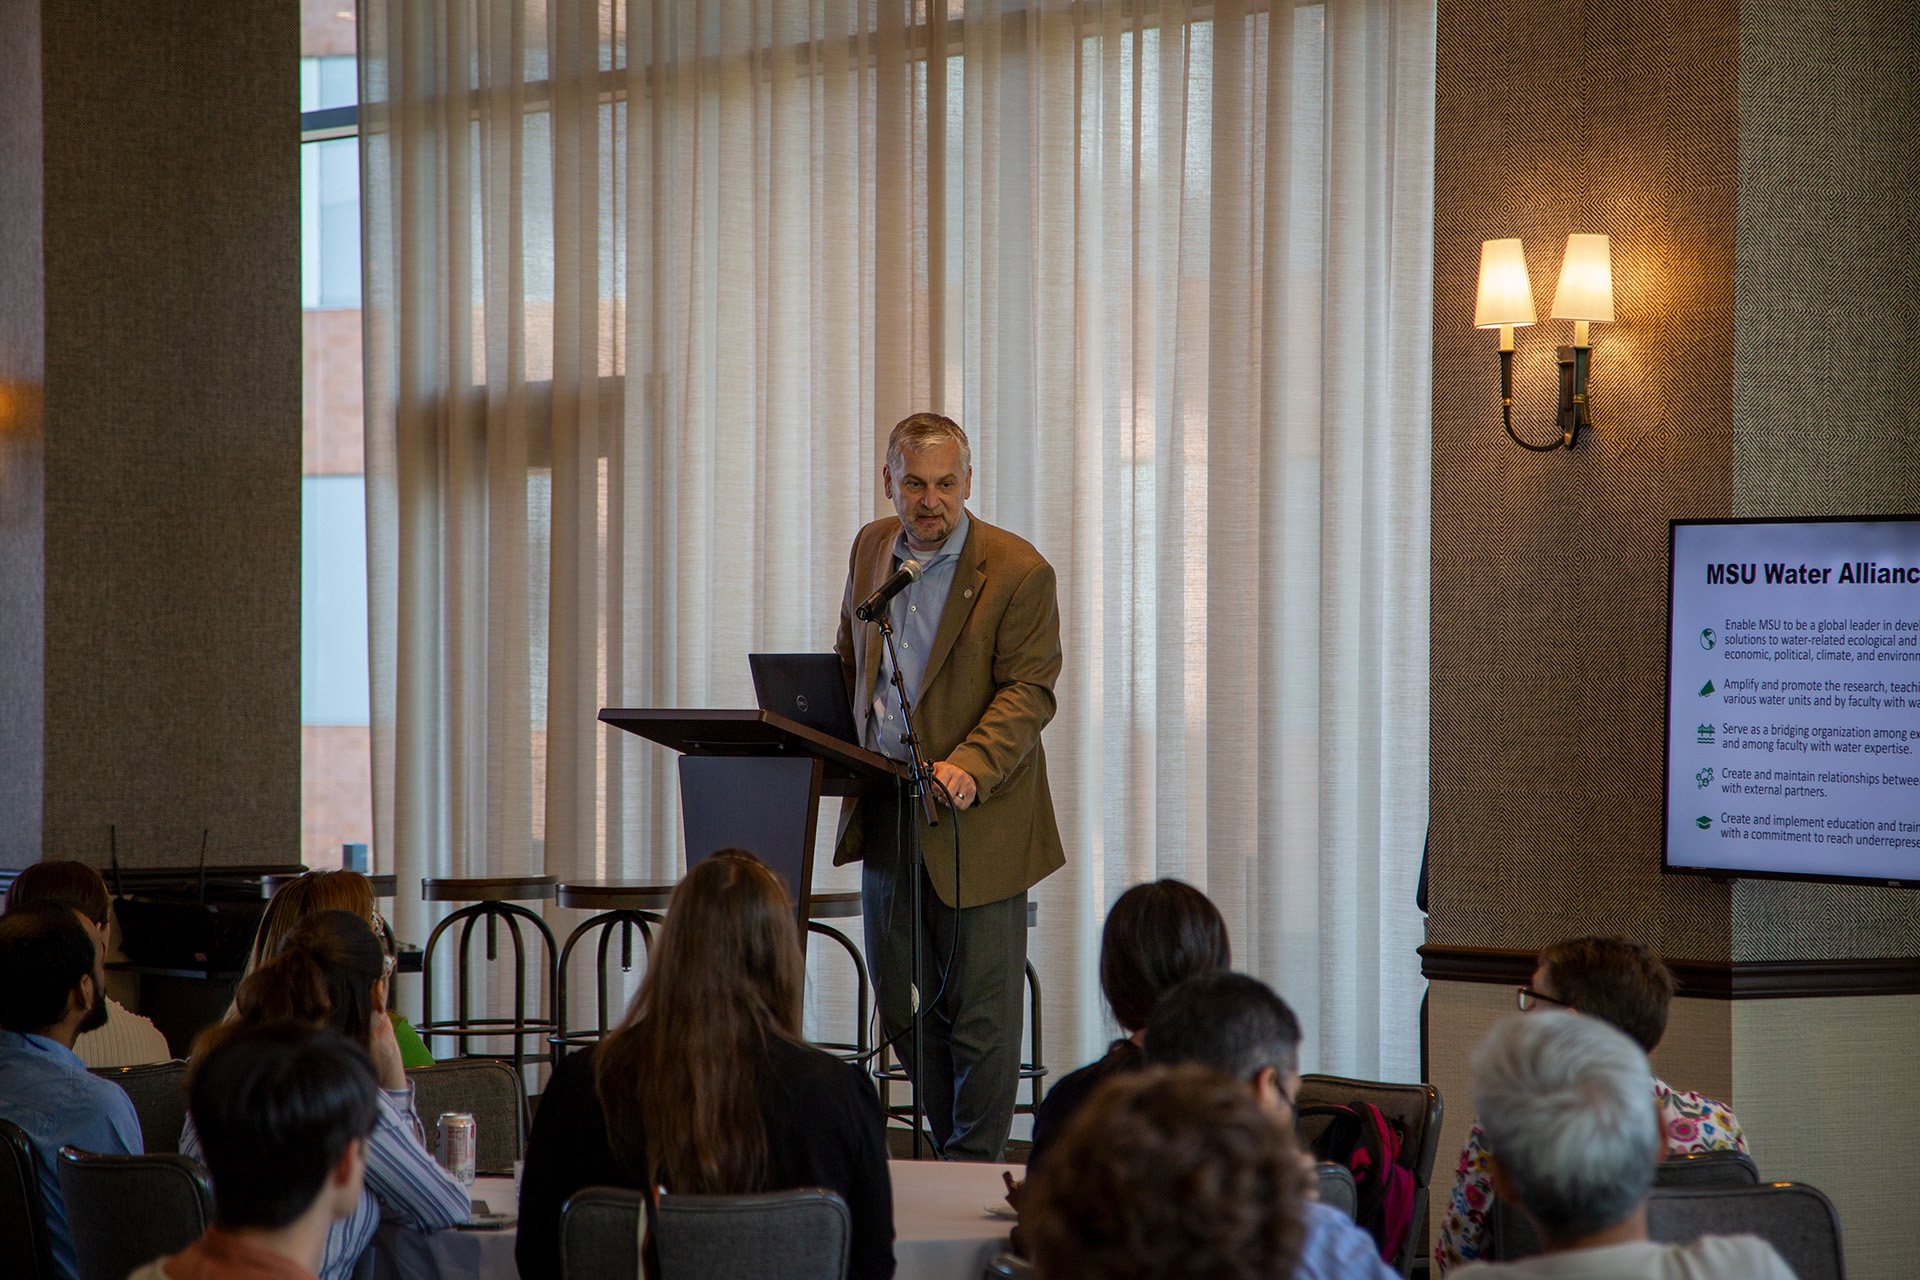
(1623, 983)
(977, 640)
(1573, 1136)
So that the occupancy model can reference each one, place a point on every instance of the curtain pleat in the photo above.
(650, 280)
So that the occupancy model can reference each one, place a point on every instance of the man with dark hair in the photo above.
(283, 1112)
(52, 987)
(1237, 1026)
(1234, 1024)
(1619, 982)
(1166, 1173)
(125, 1039)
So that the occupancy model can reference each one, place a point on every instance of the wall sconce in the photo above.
(1505, 303)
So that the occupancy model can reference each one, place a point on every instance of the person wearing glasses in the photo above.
(299, 900)
(331, 971)
(1238, 1026)
(1619, 982)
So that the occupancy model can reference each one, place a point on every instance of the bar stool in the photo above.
(624, 905)
(627, 905)
(493, 899)
(1032, 1070)
(841, 906)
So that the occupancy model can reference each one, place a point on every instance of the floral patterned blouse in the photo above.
(1694, 1124)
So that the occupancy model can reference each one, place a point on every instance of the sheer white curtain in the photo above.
(649, 283)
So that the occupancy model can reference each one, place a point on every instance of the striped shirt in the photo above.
(402, 1179)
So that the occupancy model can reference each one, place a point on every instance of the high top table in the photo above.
(941, 1227)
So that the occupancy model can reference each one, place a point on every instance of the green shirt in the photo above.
(413, 1050)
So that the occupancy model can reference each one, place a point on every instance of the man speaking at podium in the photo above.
(978, 636)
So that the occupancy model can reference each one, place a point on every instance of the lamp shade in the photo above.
(1586, 280)
(1505, 295)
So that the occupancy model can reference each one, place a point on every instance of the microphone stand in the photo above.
(920, 782)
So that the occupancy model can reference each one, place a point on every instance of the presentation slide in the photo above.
(1793, 713)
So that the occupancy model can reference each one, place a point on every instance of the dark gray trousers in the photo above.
(973, 1032)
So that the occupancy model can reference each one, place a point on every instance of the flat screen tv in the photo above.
(1793, 699)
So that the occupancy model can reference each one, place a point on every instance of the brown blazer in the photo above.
(987, 693)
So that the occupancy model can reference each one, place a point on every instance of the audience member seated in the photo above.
(283, 1112)
(1619, 982)
(307, 896)
(53, 988)
(1156, 935)
(1168, 1173)
(126, 1039)
(1572, 1136)
(706, 1086)
(332, 972)
(1237, 1026)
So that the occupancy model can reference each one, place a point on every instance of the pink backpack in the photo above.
(1360, 1137)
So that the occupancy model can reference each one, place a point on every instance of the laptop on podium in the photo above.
(809, 688)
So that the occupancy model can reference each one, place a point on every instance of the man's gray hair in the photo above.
(920, 432)
(1567, 1105)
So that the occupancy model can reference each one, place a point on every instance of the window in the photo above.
(336, 771)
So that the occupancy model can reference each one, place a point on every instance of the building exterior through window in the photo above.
(336, 789)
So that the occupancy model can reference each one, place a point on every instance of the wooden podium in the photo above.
(753, 780)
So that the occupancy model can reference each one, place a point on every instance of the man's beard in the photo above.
(97, 1016)
(941, 531)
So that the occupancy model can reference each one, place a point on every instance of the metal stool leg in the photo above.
(863, 1000)
(465, 1027)
(1033, 1071)
(625, 921)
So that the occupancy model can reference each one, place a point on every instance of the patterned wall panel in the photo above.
(22, 452)
(172, 247)
(1827, 338)
(1549, 570)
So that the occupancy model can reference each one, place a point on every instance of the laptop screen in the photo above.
(810, 688)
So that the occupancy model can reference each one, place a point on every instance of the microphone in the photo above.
(907, 574)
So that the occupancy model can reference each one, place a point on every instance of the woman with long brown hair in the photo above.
(331, 971)
(706, 1086)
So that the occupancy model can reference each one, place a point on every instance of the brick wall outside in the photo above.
(336, 786)
(326, 28)
(330, 404)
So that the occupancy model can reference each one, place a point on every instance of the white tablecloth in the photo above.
(941, 1227)
(464, 1255)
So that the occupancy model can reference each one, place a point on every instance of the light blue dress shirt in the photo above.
(1333, 1248)
(47, 1091)
(915, 614)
